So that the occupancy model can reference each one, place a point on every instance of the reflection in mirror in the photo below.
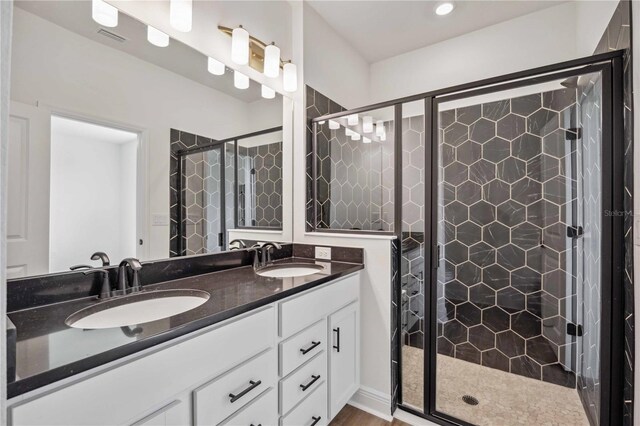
(124, 147)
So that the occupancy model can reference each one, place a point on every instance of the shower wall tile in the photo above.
(503, 235)
(267, 188)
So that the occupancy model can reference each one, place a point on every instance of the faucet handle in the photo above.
(105, 290)
(76, 267)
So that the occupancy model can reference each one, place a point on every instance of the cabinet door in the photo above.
(344, 376)
(175, 414)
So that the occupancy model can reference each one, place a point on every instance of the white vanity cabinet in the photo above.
(276, 365)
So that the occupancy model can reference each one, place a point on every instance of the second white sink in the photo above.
(289, 270)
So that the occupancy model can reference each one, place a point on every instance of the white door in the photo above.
(344, 377)
(28, 190)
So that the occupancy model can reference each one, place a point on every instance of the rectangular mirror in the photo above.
(120, 146)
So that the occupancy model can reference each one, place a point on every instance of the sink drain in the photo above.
(470, 400)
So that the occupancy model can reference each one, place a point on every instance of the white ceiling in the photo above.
(383, 29)
(179, 58)
(74, 129)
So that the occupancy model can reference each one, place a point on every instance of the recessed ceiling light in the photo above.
(444, 8)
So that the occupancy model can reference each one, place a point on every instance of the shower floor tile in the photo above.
(504, 398)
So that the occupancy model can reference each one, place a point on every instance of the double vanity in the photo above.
(219, 343)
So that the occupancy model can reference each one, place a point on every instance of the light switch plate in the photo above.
(159, 219)
(323, 253)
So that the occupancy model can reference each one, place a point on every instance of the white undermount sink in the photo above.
(137, 308)
(289, 270)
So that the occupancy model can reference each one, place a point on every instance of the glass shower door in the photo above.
(519, 233)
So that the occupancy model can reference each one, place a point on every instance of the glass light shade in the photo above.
(321, 122)
(334, 125)
(240, 46)
(157, 37)
(268, 92)
(272, 61)
(290, 78)
(366, 139)
(444, 8)
(240, 80)
(355, 136)
(348, 132)
(215, 67)
(380, 128)
(352, 120)
(383, 137)
(104, 14)
(180, 15)
(367, 124)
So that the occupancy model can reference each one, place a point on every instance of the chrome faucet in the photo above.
(105, 289)
(135, 266)
(265, 252)
(100, 255)
(241, 244)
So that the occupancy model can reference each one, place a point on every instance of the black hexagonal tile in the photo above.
(456, 134)
(511, 300)
(543, 213)
(510, 257)
(511, 126)
(511, 213)
(526, 280)
(555, 237)
(555, 283)
(556, 144)
(482, 172)
(555, 190)
(526, 191)
(496, 150)
(495, 234)
(482, 295)
(469, 233)
(456, 212)
(469, 152)
(495, 276)
(481, 337)
(555, 329)
(556, 374)
(482, 254)
(448, 192)
(526, 235)
(542, 304)
(495, 319)
(496, 192)
(543, 259)
(526, 105)
(456, 173)
(511, 170)
(542, 350)
(525, 366)
(468, 352)
(482, 130)
(482, 213)
(510, 344)
(468, 273)
(468, 314)
(469, 193)
(543, 122)
(456, 292)
(468, 114)
(496, 110)
(495, 359)
(445, 347)
(455, 332)
(560, 99)
(456, 252)
(526, 324)
(526, 146)
(446, 118)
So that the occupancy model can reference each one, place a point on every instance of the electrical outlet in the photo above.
(323, 253)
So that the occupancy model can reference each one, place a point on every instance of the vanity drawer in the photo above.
(302, 347)
(302, 382)
(261, 411)
(303, 310)
(218, 399)
(311, 411)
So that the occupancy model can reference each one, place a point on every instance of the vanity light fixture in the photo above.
(268, 92)
(355, 136)
(104, 14)
(214, 66)
(348, 132)
(240, 46)
(366, 139)
(240, 80)
(352, 120)
(334, 125)
(383, 137)
(444, 8)
(290, 77)
(272, 61)
(367, 124)
(181, 14)
(380, 128)
(157, 37)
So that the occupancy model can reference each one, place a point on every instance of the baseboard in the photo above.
(412, 419)
(373, 402)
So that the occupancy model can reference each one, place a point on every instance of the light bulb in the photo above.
(444, 8)
(240, 46)
(104, 14)
(290, 78)
(157, 37)
(240, 80)
(366, 139)
(352, 120)
(272, 61)
(367, 124)
(321, 122)
(214, 66)
(383, 137)
(180, 15)
(268, 92)
(355, 136)
(379, 128)
(334, 125)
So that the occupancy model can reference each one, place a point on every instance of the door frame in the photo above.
(612, 311)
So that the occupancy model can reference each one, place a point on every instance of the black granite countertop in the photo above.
(48, 350)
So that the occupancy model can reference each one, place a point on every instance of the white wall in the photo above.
(94, 81)
(332, 66)
(92, 183)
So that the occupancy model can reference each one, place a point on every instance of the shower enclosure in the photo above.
(507, 302)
